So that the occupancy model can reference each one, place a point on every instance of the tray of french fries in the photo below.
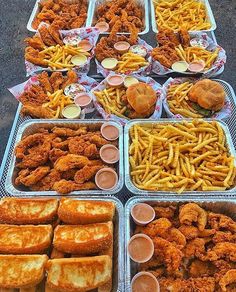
(175, 228)
(187, 53)
(60, 50)
(52, 157)
(179, 156)
(132, 11)
(78, 21)
(178, 98)
(174, 15)
(78, 238)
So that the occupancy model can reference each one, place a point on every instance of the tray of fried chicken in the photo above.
(179, 245)
(66, 156)
(121, 97)
(124, 54)
(67, 244)
(54, 95)
(60, 50)
(63, 14)
(186, 53)
(122, 15)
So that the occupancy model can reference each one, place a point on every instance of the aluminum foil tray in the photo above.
(210, 16)
(36, 10)
(128, 182)
(31, 126)
(219, 206)
(94, 4)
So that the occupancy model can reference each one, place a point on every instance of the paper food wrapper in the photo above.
(224, 113)
(142, 71)
(89, 33)
(159, 69)
(88, 82)
(156, 86)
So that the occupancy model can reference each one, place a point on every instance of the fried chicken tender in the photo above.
(170, 255)
(191, 213)
(35, 42)
(79, 146)
(33, 56)
(166, 36)
(53, 30)
(166, 55)
(165, 212)
(29, 178)
(47, 182)
(70, 78)
(44, 82)
(70, 161)
(220, 221)
(201, 269)
(67, 132)
(86, 173)
(67, 186)
(46, 36)
(56, 80)
(196, 248)
(184, 37)
(37, 112)
(222, 250)
(191, 232)
(56, 153)
(34, 95)
(157, 227)
(221, 236)
(227, 279)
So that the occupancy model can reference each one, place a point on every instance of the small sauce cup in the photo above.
(129, 80)
(140, 248)
(109, 131)
(102, 26)
(83, 99)
(196, 66)
(79, 60)
(180, 66)
(85, 45)
(109, 63)
(71, 111)
(106, 179)
(109, 153)
(145, 282)
(115, 80)
(122, 47)
(142, 214)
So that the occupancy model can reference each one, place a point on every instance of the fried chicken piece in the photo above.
(98, 140)
(184, 37)
(191, 213)
(71, 161)
(35, 42)
(78, 21)
(221, 236)
(60, 144)
(67, 132)
(56, 80)
(191, 232)
(69, 79)
(56, 153)
(152, 264)
(37, 112)
(68, 186)
(157, 227)
(53, 30)
(201, 269)
(46, 15)
(220, 221)
(166, 55)
(46, 183)
(69, 175)
(165, 212)
(32, 55)
(86, 173)
(227, 279)
(44, 82)
(196, 248)
(167, 36)
(29, 178)
(170, 255)
(46, 36)
(222, 250)
(33, 96)
(79, 146)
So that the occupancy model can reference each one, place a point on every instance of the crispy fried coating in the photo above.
(70, 161)
(191, 213)
(86, 173)
(67, 186)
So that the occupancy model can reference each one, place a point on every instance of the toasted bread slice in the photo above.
(78, 274)
(83, 239)
(73, 211)
(28, 211)
(21, 271)
(24, 239)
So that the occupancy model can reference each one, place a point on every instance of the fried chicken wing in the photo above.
(86, 173)
(70, 161)
(190, 213)
(67, 186)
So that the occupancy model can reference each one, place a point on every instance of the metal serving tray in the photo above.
(210, 17)
(218, 206)
(92, 17)
(128, 182)
(36, 10)
(31, 126)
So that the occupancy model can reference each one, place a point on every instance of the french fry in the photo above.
(184, 161)
(131, 61)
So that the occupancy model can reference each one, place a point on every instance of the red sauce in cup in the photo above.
(145, 282)
(106, 178)
(140, 248)
(142, 213)
(109, 132)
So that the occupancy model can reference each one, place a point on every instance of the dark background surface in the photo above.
(14, 15)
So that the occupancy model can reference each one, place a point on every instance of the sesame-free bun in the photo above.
(208, 94)
(142, 98)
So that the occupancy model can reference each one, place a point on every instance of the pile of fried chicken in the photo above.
(105, 47)
(121, 13)
(36, 95)
(60, 159)
(62, 14)
(48, 36)
(168, 40)
(195, 249)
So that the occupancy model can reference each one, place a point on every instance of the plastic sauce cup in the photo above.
(85, 45)
(71, 111)
(106, 178)
(109, 63)
(109, 131)
(102, 26)
(122, 46)
(140, 248)
(115, 80)
(145, 282)
(109, 153)
(142, 214)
